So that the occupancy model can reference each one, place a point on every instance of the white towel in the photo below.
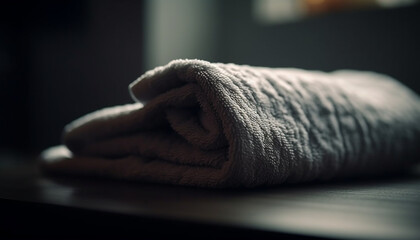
(225, 125)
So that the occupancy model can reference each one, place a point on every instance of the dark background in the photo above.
(62, 59)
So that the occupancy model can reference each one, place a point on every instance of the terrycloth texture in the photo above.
(223, 125)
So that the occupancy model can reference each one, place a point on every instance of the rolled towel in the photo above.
(225, 125)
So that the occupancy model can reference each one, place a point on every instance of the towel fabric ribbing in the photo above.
(225, 125)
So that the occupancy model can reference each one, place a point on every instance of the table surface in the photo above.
(386, 208)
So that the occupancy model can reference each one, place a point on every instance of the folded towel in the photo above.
(224, 125)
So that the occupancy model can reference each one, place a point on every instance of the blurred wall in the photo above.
(375, 39)
(180, 29)
(383, 40)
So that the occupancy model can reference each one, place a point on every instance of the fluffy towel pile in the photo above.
(223, 125)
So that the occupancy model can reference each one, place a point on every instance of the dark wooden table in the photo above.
(34, 205)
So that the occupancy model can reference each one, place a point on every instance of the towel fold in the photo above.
(225, 125)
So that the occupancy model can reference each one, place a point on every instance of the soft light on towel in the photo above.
(224, 125)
